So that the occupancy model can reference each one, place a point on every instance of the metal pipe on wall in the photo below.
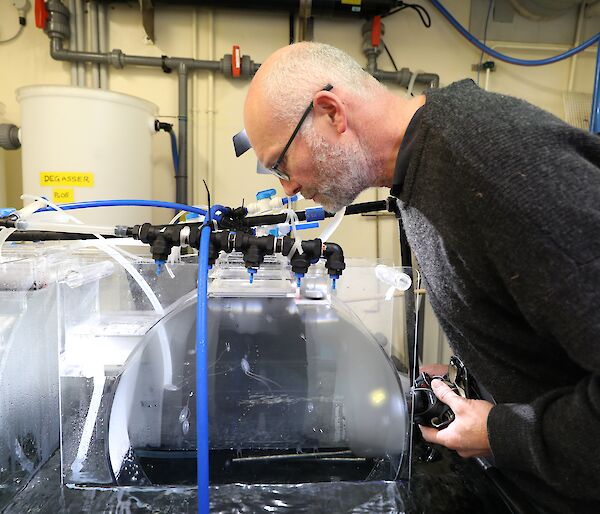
(73, 40)
(93, 35)
(79, 41)
(181, 189)
(103, 41)
(210, 106)
(118, 59)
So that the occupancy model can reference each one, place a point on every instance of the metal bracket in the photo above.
(147, 10)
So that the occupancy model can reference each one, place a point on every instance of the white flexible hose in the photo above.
(332, 227)
(292, 219)
(111, 252)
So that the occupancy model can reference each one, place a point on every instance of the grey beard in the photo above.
(342, 172)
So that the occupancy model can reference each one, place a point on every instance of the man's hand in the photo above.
(467, 434)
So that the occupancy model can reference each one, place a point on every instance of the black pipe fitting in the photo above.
(334, 262)
(219, 241)
(234, 219)
(254, 248)
(161, 239)
(311, 253)
(161, 125)
(9, 221)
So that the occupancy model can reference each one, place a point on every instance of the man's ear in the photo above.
(330, 110)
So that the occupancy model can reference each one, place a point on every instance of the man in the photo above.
(501, 205)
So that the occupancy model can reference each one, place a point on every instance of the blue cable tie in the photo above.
(315, 214)
(284, 200)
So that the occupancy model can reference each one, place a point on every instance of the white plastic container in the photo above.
(83, 144)
(2, 166)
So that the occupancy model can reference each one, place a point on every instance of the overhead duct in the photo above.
(361, 8)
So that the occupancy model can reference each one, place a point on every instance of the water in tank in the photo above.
(299, 391)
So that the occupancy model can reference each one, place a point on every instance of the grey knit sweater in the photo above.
(501, 205)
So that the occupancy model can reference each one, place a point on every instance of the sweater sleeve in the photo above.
(542, 232)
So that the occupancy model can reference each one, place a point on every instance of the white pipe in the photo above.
(573, 62)
(93, 35)
(487, 79)
(72, 39)
(103, 41)
(79, 41)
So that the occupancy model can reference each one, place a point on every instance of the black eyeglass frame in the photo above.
(275, 168)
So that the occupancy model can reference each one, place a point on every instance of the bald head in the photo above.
(339, 149)
(287, 81)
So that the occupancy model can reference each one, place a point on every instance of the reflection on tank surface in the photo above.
(298, 391)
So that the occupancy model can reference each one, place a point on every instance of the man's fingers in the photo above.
(433, 435)
(445, 394)
(429, 434)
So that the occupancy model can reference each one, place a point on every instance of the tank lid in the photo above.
(86, 93)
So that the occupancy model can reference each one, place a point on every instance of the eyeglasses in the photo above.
(275, 168)
(241, 145)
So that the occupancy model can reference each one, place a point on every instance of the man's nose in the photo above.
(290, 187)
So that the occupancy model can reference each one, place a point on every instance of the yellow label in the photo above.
(352, 2)
(63, 195)
(66, 178)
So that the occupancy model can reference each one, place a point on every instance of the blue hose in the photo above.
(133, 203)
(507, 58)
(595, 117)
(201, 375)
(174, 152)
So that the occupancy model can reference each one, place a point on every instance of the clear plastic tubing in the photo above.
(64, 227)
(332, 227)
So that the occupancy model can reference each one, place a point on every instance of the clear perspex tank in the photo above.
(300, 390)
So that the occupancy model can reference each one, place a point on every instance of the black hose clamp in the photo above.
(163, 65)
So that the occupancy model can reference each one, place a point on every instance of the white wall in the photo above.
(216, 103)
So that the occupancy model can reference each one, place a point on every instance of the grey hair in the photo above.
(292, 81)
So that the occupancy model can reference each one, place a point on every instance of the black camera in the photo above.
(428, 409)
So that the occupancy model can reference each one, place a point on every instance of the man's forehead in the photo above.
(265, 134)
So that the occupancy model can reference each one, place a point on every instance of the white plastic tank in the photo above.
(2, 166)
(83, 144)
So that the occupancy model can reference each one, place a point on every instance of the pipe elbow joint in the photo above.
(334, 262)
